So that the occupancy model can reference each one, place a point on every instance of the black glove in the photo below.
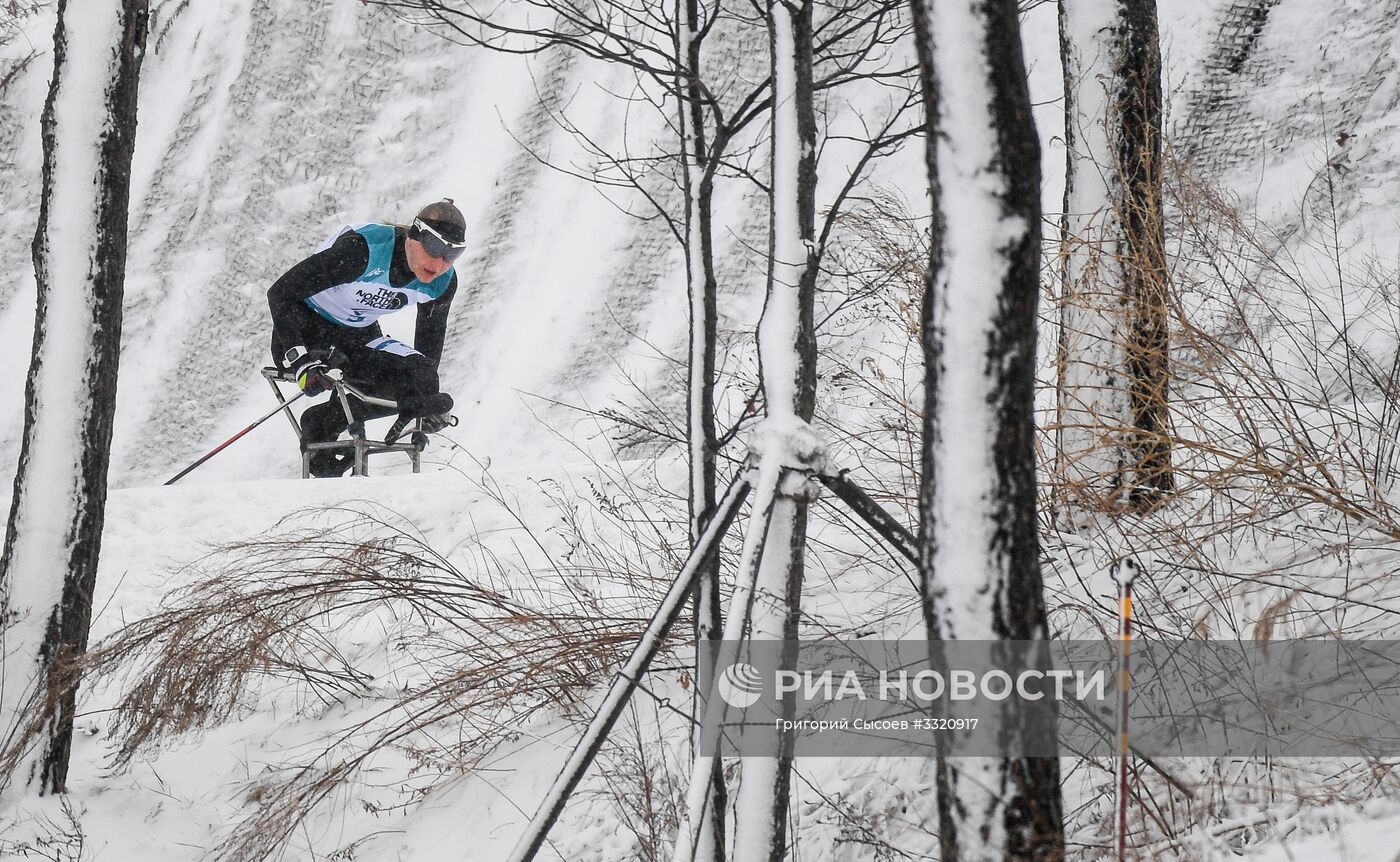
(309, 368)
(435, 422)
(313, 379)
(430, 424)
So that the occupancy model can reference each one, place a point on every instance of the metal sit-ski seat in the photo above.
(358, 445)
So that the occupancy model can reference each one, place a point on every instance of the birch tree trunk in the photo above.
(787, 356)
(979, 549)
(1114, 444)
(49, 563)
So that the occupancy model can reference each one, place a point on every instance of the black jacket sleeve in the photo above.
(431, 329)
(343, 262)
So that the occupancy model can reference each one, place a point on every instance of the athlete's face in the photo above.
(425, 267)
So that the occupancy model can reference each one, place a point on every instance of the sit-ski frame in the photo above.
(361, 446)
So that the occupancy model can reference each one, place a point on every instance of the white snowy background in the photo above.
(265, 124)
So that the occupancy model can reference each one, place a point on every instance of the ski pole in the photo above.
(224, 445)
(1124, 572)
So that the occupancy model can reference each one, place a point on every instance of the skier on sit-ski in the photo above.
(331, 301)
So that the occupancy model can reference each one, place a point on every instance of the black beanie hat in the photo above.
(444, 217)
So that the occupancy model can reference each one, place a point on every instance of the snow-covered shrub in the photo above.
(1283, 407)
(413, 662)
(1285, 414)
(15, 57)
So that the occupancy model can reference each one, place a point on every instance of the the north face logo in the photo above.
(391, 300)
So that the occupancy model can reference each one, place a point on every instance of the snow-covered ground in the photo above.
(182, 796)
(265, 124)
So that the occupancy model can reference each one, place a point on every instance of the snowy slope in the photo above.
(265, 124)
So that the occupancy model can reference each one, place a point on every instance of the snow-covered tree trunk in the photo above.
(979, 550)
(1114, 444)
(787, 355)
(49, 563)
(698, 186)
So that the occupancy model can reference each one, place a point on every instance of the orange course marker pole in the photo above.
(1124, 572)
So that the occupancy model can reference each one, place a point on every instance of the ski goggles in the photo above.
(434, 244)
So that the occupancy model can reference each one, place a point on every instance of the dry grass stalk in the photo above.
(276, 608)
